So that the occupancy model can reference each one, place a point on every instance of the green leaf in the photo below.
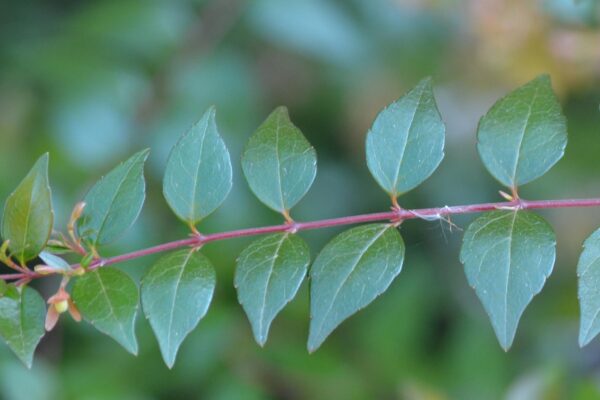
(524, 134)
(28, 215)
(22, 315)
(269, 273)
(588, 271)
(279, 163)
(507, 257)
(198, 174)
(176, 293)
(57, 247)
(406, 142)
(349, 273)
(108, 298)
(114, 203)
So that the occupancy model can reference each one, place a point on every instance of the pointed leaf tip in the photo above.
(280, 165)
(176, 294)
(507, 256)
(108, 298)
(349, 273)
(524, 134)
(22, 318)
(268, 275)
(198, 176)
(28, 215)
(405, 144)
(114, 203)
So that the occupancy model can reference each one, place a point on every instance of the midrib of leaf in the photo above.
(277, 158)
(352, 270)
(271, 267)
(112, 310)
(176, 288)
(488, 224)
(27, 217)
(197, 172)
(522, 136)
(21, 322)
(403, 151)
(112, 201)
(510, 241)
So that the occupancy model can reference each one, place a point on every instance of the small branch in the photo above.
(402, 214)
(16, 277)
(390, 216)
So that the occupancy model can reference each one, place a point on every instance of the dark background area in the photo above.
(92, 82)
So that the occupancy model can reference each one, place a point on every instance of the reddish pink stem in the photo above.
(402, 214)
(392, 216)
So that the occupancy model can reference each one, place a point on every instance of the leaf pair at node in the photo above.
(177, 290)
(508, 255)
(107, 297)
(280, 166)
(404, 147)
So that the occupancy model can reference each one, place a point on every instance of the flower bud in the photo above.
(62, 306)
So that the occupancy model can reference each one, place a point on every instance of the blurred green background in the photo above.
(91, 82)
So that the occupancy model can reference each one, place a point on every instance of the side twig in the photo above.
(396, 215)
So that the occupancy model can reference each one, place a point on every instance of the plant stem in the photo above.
(400, 214)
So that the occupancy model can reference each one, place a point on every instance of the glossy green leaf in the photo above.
(28, 216)
(198, 174)
(108, 299)
(22, 315)
(406, 142)
(349, 273)
(279, 163)
(176, 293)
(588, 271)
(114, 203)
(507, 257)
(268, 275)
(524, 134)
